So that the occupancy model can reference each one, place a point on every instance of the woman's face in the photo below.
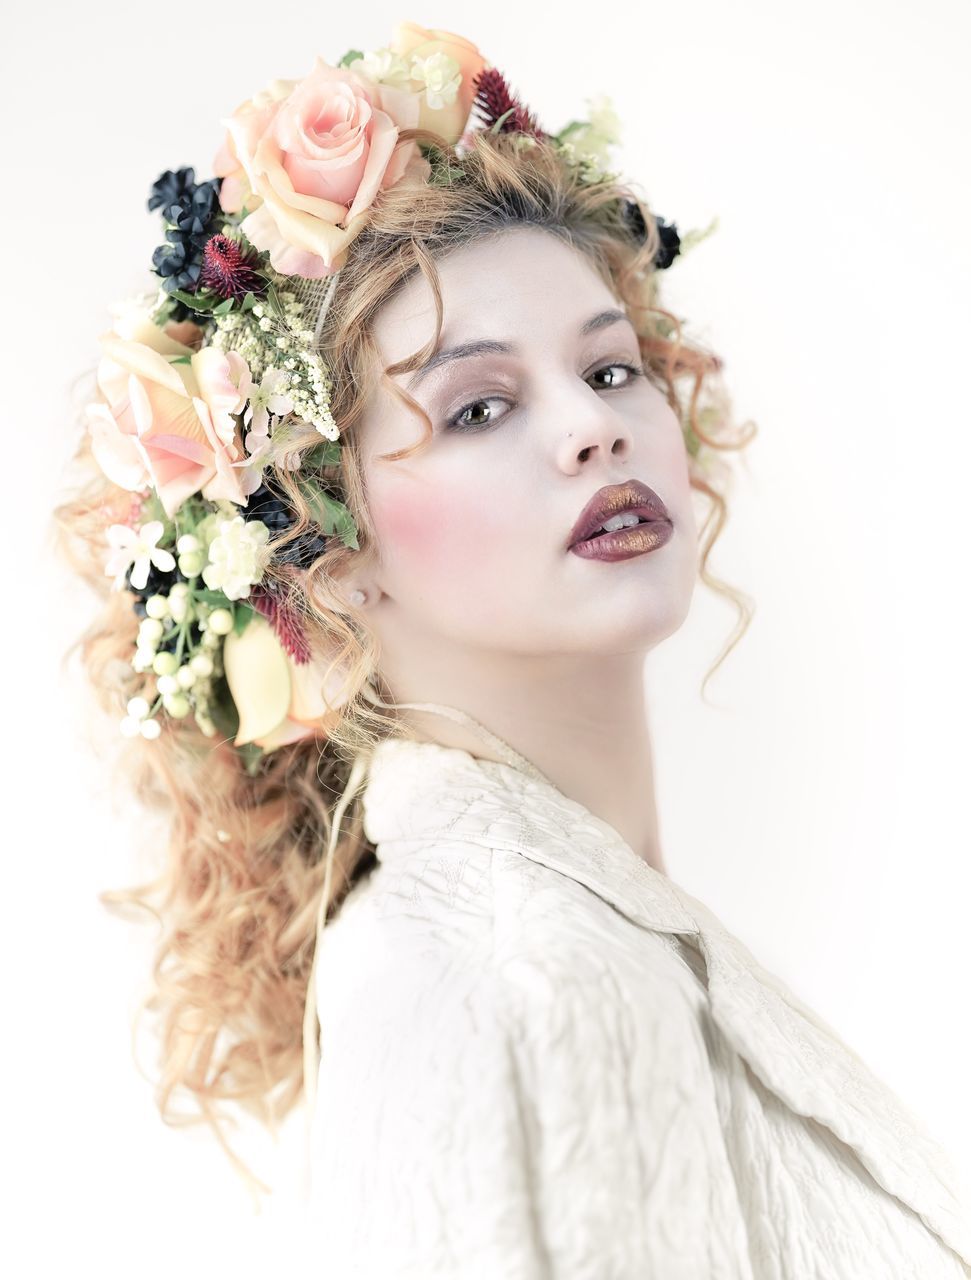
(472, 533)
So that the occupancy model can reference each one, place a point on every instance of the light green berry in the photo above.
(188, 542)
(149, 728)
(149, 631)
(137, 708)
(186, 677)
(201, 664)
(156, 606)
(167, 684)
(176, 704)
(191, 563)
(165, 664)
(220, 622)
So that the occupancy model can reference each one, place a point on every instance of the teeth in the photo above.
(625, 520)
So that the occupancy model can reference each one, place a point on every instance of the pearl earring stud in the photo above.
(357, 597)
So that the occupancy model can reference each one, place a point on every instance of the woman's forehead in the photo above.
(523, 285)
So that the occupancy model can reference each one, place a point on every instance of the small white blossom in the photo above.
(441, 75)
(138, 548)
(237, 557)
(265, 399)
(208, 527)
(383, 66)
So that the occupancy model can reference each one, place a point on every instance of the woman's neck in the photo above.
(603, 761)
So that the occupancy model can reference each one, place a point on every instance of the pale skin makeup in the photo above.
(474, 598)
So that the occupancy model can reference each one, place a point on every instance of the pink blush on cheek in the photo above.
(432, 528)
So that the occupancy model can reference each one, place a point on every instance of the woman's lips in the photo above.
(628, 497)
(622, 544)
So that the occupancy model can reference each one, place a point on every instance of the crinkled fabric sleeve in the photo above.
(627, 1148)
(420, 1164)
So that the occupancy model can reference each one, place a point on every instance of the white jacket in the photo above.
(540, 1059)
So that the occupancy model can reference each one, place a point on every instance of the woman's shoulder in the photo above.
(481, 926)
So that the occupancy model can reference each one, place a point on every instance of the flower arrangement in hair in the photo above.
(217, 375)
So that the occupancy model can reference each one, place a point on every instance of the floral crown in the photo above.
(218, 370)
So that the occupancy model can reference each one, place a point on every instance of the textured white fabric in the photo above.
(541, 1058)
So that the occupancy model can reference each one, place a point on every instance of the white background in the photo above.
(819, 807)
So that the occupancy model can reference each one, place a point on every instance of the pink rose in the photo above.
(308, 158)
(165, 424)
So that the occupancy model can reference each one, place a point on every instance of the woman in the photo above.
(537, 1056)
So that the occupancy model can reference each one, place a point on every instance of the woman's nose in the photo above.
(587, 423)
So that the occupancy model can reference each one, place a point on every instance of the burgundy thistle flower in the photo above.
(229, 270)
(284, 620)
(493, 98)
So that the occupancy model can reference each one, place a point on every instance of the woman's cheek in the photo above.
(438, 532)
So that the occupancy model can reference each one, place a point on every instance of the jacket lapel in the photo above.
(794, 1052)
(807, 1064)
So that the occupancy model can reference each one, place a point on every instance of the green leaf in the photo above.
(202, 301)
(273, 298)
(181, 360)
(222, 709)
(152, 509)
(217, 599)
(572, 127)
(327, 454)
(499, 123)
(251, 755)
(691, 239)
(350, 56)
(223, 307)
(242, 613)
(332, 516)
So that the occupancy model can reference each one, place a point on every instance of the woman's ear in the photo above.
(336, 592)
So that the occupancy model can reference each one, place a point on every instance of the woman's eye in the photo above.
(460, 422)
(631, 370)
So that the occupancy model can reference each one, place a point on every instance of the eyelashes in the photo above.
(455, 423)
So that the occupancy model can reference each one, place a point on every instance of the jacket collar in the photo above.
(422, 792)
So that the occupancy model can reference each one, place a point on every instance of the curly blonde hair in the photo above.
(245, 871)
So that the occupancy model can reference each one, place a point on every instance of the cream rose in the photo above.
(279, 700)
(308, 158)
(411, 41)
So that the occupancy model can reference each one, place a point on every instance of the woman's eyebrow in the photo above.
(488, 346)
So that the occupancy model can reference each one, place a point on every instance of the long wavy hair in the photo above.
(244, 873)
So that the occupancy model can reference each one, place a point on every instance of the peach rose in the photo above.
(308, 158)
(409, 41)
(278, 699)
(235, 191)
(167, 424)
